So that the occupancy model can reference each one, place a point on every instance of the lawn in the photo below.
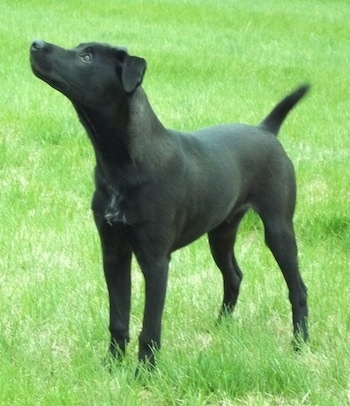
(208, 62)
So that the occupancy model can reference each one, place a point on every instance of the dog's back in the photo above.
(230, 167)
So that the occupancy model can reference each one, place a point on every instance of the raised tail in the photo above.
(275, 119)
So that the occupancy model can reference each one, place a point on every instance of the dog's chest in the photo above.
(115, 211)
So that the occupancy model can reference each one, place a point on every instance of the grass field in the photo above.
(208, 62)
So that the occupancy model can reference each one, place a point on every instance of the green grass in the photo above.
(208, 62)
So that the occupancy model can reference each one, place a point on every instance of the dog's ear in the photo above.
(133, 71)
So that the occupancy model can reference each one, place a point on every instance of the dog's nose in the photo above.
(38, 45)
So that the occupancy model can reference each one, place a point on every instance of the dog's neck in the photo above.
(127, 134)
(106, 132)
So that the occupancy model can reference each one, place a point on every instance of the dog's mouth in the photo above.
(38, 58)
(41, 65)
(43, 69)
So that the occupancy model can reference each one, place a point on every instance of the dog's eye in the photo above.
(86, 58)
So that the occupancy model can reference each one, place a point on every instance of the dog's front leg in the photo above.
(116, 255)
(155, 271)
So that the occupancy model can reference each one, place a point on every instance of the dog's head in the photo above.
(91, 74)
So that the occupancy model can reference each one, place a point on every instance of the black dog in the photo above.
(158, 190)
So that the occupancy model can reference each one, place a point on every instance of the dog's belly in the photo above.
(202, 223)
(190, 234)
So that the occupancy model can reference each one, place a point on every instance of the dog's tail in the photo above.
(275, 119)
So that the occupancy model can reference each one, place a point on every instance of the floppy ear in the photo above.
(132, 72)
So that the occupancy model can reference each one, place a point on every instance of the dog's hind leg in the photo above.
(221, 241)
(280, 238)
